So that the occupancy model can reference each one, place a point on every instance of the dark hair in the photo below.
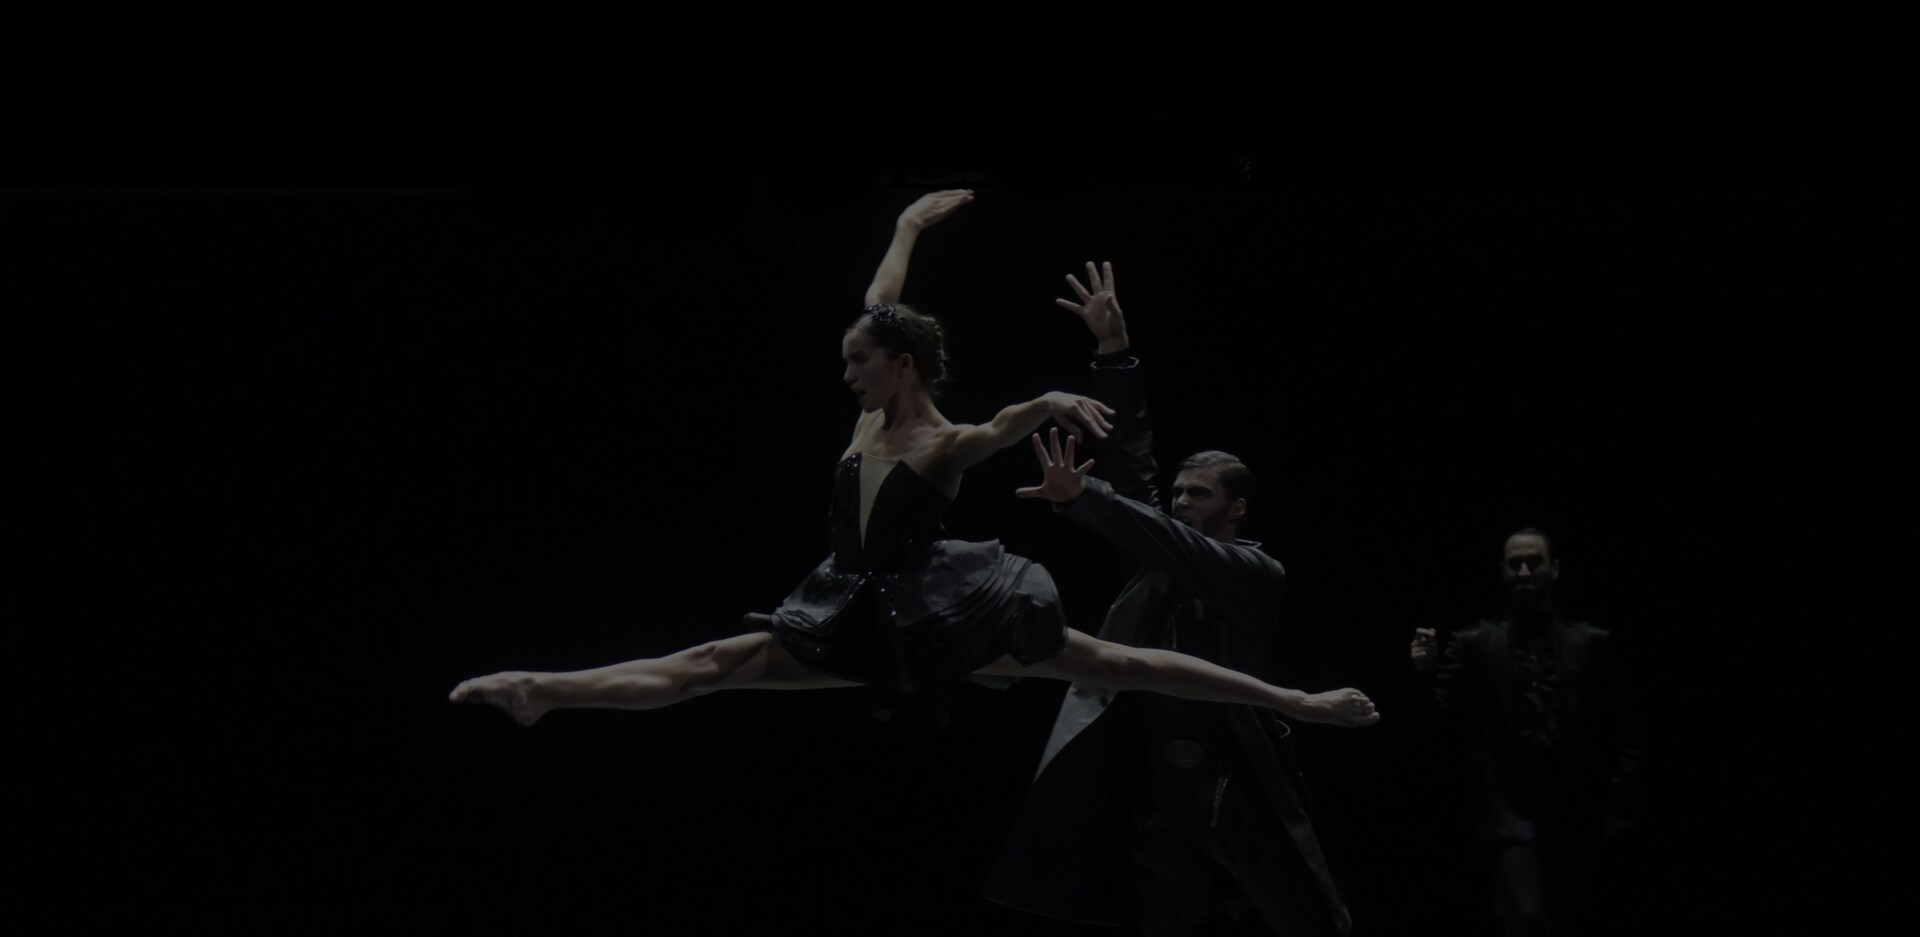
(1532, 532)
(1235, 478)
(905, 331)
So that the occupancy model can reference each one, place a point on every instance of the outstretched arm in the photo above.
(971, 445)
(1126, 456)
(1212, 569)
(925, 212)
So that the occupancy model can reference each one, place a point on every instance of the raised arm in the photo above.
(925, 212)
(1126, 455)
(1099, 308)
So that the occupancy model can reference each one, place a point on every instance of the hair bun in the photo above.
(905, 330)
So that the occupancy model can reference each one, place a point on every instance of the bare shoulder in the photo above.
(951, 433)
(949, 440)
(939, 457)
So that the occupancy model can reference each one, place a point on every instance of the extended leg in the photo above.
(1088, 659)
(750, 661)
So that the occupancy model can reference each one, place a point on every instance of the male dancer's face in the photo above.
(1200, 503)
(1528, 570)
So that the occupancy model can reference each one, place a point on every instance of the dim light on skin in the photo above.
(1529, 570)
(1200, 502)
(899, 422)
(873, 374)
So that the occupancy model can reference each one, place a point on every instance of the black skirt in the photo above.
(927, 626)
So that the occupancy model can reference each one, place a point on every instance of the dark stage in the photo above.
(297, 463)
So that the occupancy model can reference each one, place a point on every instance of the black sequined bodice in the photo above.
(903, 524)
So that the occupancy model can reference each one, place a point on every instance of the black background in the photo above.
(292, 464)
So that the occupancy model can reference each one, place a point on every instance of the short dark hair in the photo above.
(1235, 478)
(904, 330)
(1531, 532)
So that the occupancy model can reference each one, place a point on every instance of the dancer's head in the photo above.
(1528, 568)
(893, 350)
(1210, 493)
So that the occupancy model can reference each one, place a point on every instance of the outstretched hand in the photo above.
(1080, 415)
(927, 210)
(1060, 481)
(932, 208)
(1099, 307)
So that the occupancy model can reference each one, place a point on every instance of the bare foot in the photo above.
(514, 691)
(1346, 707)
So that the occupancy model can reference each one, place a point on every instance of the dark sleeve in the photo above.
(1627, 768)
(1628, 778)
(1453, 686)
(1449, 675)
(1125, 457)
(1239, 577)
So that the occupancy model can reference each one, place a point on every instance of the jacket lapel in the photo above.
(1576, 648)
(1499, 663)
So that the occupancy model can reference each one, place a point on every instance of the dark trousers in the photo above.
(1563, 887)
(1200, 829)
(1520, 891)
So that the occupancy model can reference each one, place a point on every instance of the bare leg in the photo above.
(750, 661)
(1103, 663)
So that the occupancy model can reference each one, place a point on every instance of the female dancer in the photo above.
(895, 605)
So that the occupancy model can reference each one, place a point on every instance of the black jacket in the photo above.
(1066, 855)
(1583, 776)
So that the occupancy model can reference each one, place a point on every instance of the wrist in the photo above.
(1112, 346)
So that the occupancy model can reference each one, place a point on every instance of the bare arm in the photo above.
(1100, 310)
(971, 445)
(927, 211)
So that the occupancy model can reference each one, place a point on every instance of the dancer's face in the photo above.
(1527, 569)
(874, 374)
(1200, 503)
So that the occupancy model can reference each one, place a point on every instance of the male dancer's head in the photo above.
(1528, 568)
(1210, 494)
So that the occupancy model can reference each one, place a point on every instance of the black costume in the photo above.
(909, 612)
(1546, 723)
(1138, 794)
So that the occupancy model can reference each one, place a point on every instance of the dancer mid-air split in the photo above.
(896, 606)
